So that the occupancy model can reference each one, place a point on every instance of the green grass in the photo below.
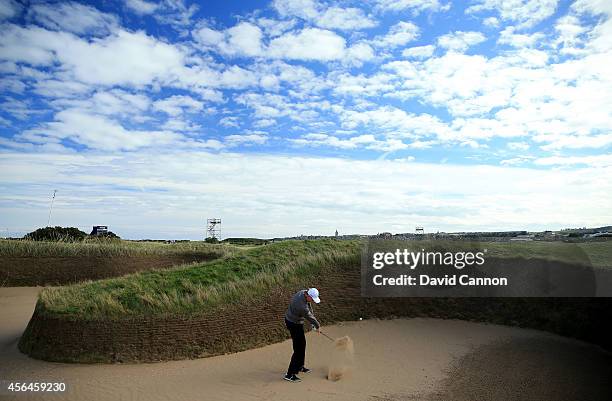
(600, 253)
(190, 290)
(25, 248)
(596, 254)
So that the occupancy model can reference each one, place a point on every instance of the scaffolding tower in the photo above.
(213, 228)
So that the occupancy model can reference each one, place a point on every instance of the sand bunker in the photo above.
(403, 359)
(342, 358)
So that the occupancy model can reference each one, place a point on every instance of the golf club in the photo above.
(330, 339)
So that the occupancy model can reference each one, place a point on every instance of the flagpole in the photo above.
(51, 208)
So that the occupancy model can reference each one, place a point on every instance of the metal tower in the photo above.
(213, 229)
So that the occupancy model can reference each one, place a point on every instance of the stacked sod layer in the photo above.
(238, 302)
(36, 263)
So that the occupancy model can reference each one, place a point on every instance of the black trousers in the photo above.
(299, 347)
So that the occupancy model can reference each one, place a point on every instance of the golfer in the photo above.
(300, 309)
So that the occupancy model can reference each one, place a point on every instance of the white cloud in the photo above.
(265, 107)
(34, 46)
(570, 32)
(131, 58)
(508, 37)
(181, 125)
(594, 7)
(416, 6)
(394, 123)
(54, 88)
(21, 109)
(270, 82)
(308, 44)
(72, 17)
(9, 9)
(208, 36)
(270, 107)
(564, 141)
(600, 36)
(264, 123)
(243, 39)
(12, 84)
(398, 35)
(273, 27)
(201, 80)
(345, 19)
(594, 161)
(491, 22)
(518, 146)
(245, 139)
(455, 81)
(388, 145)
(460, 41)
(141, 7)
(525, 13)
(375, 85)
(516, 161)
(4, 122)
(113, 102)
(96, 132)
(237, 77)
(175, 13)
(333, 17)
(246, 39)
(305, 9)
(230, 122)
(358, 53)
(178, 104)
(484, 128)
(142, 59)
(418, 52)
(367, 141)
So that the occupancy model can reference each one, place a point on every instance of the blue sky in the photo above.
(291, 117)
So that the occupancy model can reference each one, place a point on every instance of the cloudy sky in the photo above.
(291, 117)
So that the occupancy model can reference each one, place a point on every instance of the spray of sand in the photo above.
(341, 362)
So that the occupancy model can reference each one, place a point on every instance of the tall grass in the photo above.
(242, 276)
(101, 248)
(192, 289)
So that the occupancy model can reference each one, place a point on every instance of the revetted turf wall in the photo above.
(35, 271)
(257, 322)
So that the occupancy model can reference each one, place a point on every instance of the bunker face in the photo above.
(341, 362)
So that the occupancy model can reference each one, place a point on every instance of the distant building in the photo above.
(99, 230)
(522, 237)
(336, 233)
(600, 234)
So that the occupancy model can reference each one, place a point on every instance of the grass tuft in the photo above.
(26, 248)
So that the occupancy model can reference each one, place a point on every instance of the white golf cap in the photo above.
(314, 294)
